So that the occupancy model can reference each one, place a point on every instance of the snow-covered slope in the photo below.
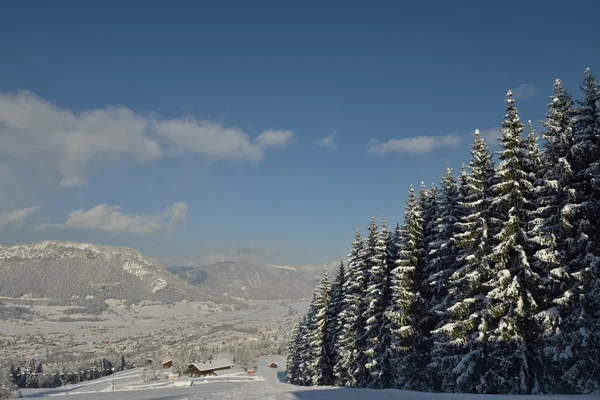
(266, 384)
(66, 270)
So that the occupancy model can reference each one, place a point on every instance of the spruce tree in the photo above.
(428, 203)
(335, 327)
(350, 318)
(378, 299)
(442, 250)
(552, 231)
(408, 308)
(459, 349)
(293, 355)
(442, 262)
(534, 159)
(299, 353)
(510, 305)
(359, 373)
(319, 365)
(583, 326)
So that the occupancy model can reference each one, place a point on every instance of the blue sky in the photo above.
(266, 131)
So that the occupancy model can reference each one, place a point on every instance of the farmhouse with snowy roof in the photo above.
(210, 367)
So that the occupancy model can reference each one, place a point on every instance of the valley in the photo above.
(146, 328)
(69, 305)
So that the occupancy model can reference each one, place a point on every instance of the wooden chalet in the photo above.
(199, 369)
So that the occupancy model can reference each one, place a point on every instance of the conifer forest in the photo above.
(490, 283)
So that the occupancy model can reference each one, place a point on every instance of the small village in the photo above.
(219, 364)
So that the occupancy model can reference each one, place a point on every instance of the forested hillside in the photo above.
(490, 285)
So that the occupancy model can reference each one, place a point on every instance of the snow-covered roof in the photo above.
(166, 360)
(213, 364)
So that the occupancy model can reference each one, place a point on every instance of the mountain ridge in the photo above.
(67, 270)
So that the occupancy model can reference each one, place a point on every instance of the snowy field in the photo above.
(266, 384)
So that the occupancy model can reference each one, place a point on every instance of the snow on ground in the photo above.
(267, 384)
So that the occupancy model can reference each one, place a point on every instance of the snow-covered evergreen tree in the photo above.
(359, 372)
(305, 373)
(534, 159)
(430, 212)
(408, 307)
(583, 325)
(428, 201)
(442, 249)
(442, 261)
(320, 362)
(510, 305)
(552, 232)
(378, 297)
(336, 306)
(460, 339)
(350, 318)
(293, 356)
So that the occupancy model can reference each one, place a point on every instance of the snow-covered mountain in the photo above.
(249, 281)
(67, 270)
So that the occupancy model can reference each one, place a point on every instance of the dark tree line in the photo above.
(490, 285)
(36, 374)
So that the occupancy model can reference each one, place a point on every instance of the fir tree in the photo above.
(293, 356)
(443, 254)
(378, 299)
(335, 327)
(459, 350)
(350, 318)
(320, 363)
(582, 325)
(442, 250)
(359, 372)
(552, 231)
(510, 304)
(534, 159)
(408, 307)
(428, 203)
(304, 372)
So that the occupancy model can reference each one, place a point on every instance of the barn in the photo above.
(168, 363)
(199, 369)
(273, 364)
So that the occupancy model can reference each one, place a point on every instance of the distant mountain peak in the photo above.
(57, 269)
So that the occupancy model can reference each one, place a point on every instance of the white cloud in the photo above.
(327, 141)
(68, 144)
(274, 138)
(209, 139)
(16, 217)
(524, 91)
(36, 131)
(413, 145)
(111, 219)
(490, 136)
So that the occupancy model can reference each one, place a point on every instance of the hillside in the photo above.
(67, 270)
(249, 281)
